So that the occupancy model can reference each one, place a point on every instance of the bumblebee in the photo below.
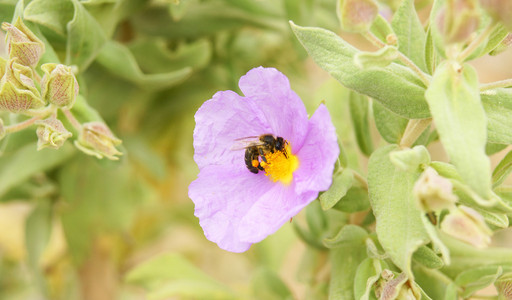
(256, 150)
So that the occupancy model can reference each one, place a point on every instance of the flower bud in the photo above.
(51, 133)
(467, 225)
(356, 15)
(504, 287)
(458, 20)
(22, 43)
(96, 139)
(433, 192)
(18, 92)
(59, 85)
(500, 10)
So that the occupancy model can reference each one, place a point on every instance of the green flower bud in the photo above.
(51, 133)
(2, 129)
(504, 287)
(500, 10)
(18, 92)
(356, 15)
(23, 43)
(59, 85)
(96, 139)
(458, 20)
(433, 192)
(467, 225)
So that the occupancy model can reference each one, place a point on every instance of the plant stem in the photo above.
(476, 42)
(20, 126)
(414, 129)
(72, 119)
(360, 179)
(496, 84)
(378, 43)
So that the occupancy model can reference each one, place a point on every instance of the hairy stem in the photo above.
(414, 129)
(20, 126)
(72, 119)
(496, 84)
(476, 42)
(404, 59)
(362, 181)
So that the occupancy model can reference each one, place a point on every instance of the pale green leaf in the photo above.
(53, 14)
(430, 53)
(118, 59)
(390, 125)
(410, 33)
(476, 279)
(392, 86)
(502, 170)
(498, 108)
(341, 182)
(381, 28)
(359, 111)
(349, 235)
(17, 166)
(410, 160)
(460, 120)
(427, 257)
(367, 274)
(399, 225)
(377, 59)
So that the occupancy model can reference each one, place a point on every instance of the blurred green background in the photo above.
(74, 227)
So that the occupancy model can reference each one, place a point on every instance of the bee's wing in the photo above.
(246, 142)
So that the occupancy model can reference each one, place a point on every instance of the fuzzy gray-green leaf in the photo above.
(392, 86)
(454, 101)
(399, 224)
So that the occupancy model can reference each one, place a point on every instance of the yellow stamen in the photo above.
(280, 165)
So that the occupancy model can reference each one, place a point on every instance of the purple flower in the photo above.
(235, 206)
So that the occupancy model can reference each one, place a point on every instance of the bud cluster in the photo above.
(22, 91)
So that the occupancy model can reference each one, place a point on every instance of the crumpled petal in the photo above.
(220, 121)
(318, 154)
(271, 211)
(278, 106)
(222, 196)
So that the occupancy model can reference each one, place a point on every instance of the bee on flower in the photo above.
(243, 194)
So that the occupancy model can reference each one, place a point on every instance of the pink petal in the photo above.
(278, 105)
(318, 154)
(220, 121)
(222, 196)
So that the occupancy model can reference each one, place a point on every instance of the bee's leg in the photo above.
(262, 154)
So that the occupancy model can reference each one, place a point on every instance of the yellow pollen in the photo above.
(280, 167)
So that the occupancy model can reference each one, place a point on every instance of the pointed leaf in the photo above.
(498, 108)
(359, 111)
(341, 182)
(390, 125)
(410, 33)
(502, 170)
(392, 86)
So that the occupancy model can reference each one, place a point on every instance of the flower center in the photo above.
(280, 165)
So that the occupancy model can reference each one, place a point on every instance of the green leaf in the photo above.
(495, 39)
(349, 235)
(492, 148)
(433, 281)
(496, 219)
(170, 275)
(392, 86)
(460, 119)
(154, 56)
(18, 165)
(344, 263)
(430, 53)
(399, 225)
(476, 279)
(410, 33)
(341, 182)
(427, 257)
(356, 199)
(359, 111)
(410, 160)
(498, 108)
(53, 14)
(85, 38)
(377, 59)
(118, 59)
(502, 170)
(266, 284)
(315, 217)
(367, 274)
(381, 28)
(390, 125)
